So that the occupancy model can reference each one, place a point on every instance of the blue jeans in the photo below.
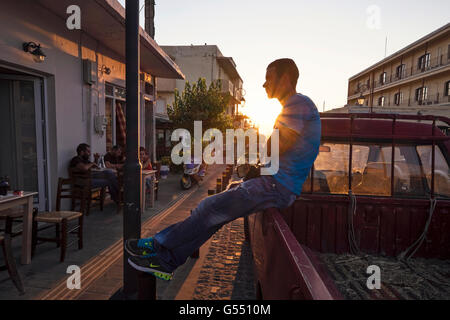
(177, 242)
(107, 178)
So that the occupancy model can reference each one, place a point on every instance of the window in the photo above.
(160, 137)
(168, 138)
(447, 89)
(441, 171)
(161, 106)
(370, 171)
(372, 168)
(381, 101)
(421, 94)
(424, 61)
(398, 98)
(330, 170)
(401, 71)
(115, 107)
(383, 77)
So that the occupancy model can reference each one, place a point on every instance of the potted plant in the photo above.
(165, 167)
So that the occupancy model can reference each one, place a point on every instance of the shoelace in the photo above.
(145, 243)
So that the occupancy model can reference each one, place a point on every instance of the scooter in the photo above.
(193, 174)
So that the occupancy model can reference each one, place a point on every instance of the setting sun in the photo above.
(263, 113)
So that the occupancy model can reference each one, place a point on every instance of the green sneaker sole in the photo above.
(157, 273)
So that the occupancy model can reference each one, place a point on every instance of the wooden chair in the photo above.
(157, 166)
(81, 188)
(10, 217)
(60, 220)
(5, 243)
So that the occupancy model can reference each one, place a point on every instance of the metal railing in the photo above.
(432, 64)
(427, 101)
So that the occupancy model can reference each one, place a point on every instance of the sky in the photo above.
(329, 40)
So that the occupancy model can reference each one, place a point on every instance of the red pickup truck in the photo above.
(377, 195)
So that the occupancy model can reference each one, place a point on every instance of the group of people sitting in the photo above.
(114, 162)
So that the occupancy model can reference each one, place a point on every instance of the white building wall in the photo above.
(71, 105)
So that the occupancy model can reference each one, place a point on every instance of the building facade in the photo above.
(196, 62)
(74, 94)
(414, 80)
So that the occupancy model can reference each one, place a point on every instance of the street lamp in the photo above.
(361, 100)
(242, 93)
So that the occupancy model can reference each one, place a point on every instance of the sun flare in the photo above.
(263, 114)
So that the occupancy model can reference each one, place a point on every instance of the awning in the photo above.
(104, 20)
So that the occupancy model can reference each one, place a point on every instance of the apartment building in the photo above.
(414, 80)
(199, 61)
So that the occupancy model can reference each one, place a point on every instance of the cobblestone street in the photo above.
(227, 269)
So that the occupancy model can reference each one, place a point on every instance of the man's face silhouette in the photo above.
(275, 86)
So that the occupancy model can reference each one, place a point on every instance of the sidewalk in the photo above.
(101, 230)
(223, 271)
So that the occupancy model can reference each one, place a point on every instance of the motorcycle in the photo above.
(193, 174)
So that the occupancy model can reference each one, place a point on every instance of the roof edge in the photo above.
(401, 51)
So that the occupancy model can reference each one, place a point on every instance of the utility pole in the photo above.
(132, 174)
(150, 17)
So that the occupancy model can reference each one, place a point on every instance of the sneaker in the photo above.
(150, 265)
(140, 248)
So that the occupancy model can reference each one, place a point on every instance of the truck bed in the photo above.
(418, 279)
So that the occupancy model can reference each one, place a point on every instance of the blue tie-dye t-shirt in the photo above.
(299, 114)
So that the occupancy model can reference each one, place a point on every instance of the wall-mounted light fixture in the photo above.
(35, 50)
(106, 70)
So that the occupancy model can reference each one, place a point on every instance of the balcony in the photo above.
(227, 87)
(430, 100)
(433, 64)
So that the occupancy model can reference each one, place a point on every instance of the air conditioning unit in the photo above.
(89, 72)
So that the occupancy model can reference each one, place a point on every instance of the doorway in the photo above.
(22, 127)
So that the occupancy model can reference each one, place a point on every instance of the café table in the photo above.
(26, 199)
(145, 174)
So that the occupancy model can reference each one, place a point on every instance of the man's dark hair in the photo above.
(286, 66)
(115, 148)
(82, 147)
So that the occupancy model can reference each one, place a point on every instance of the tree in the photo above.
(200, 103)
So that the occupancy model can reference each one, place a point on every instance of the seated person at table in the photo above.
(145, 159)
(114, 159)
(105, 178)
(146, 165)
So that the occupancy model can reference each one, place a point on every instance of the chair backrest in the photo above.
(81, 184)
(64, 191)
(80, 179)
(157, 166)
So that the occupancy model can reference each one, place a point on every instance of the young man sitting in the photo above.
(299, 140)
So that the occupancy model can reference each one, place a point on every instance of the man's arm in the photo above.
(85, 166)
(287, 139)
